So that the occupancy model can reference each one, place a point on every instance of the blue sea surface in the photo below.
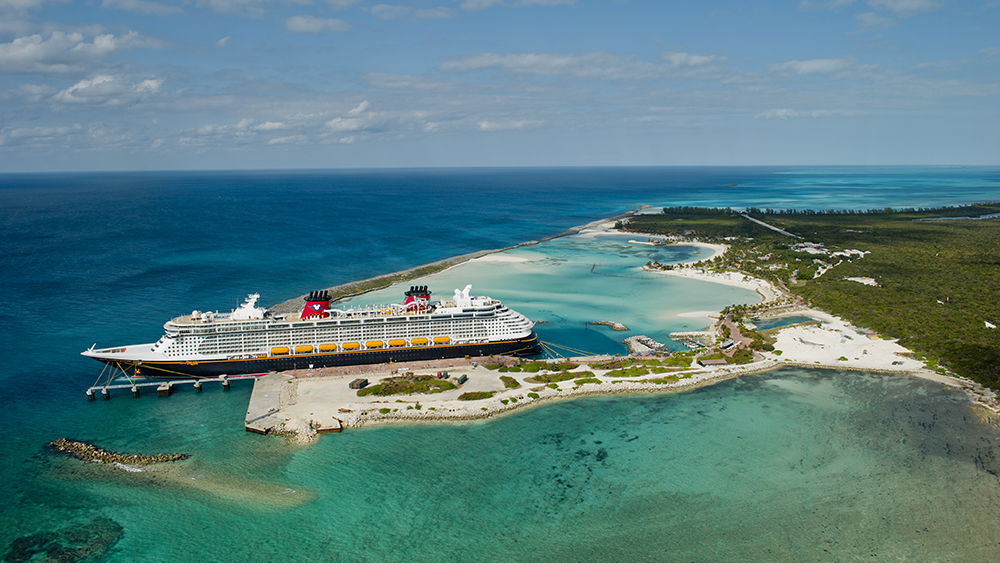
(794, 465)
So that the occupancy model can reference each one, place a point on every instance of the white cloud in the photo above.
(143, 7)
(871, 19)
(314, 25)
(406, 82)
(23, 5)
(507, 125)
(478, 4)
(439, 13)
(350, 124)
(338, 5)
(688, 60)
(483, 4)
(43, 132)
(360, 108)
(251, 8)
(390, 12)
(814, 66)
(828, 4)
(904, 8)
(398, 12)
(598, 65)
(990, 51)
(287, 140)
(791, 113)
(223, 42)
(63, 52)
(269, 126)
(107, 90)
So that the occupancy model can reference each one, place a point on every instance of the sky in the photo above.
(288, 84)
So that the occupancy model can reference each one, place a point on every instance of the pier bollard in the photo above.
(164, 390)
(135, 391)
(197, 387)
(106, 394)
(90, 394)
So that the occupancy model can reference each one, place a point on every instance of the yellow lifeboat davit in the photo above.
(418, 341)
(397, 343)
(279, 351)
(441, 340)
(303, 349)
(351, 346)
(327, 347)
(373, 344)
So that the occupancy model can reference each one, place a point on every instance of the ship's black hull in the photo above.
(528, 346)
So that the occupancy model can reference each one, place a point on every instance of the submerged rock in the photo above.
(81, 542)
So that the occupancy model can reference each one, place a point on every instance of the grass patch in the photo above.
(551, 377)
(384, 411)
(628, 372)
(586, 380)
(666, 380)
(509, 382)
(678, 361)
(407, 385)
(476, 395)
(533, 395)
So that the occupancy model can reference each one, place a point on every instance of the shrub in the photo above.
(533, 395)
(384, 411)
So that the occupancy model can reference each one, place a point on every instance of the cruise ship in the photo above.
(251, 340)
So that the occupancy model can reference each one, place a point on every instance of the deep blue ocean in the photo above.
(795, 465)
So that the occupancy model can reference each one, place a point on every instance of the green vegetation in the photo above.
(678, 361)
(586, 380)
(509, 382)
(533, 395)
(741, 356)
(628, 372)
(384, 410)
(551, 377)
(937, 280)
(476, 395)
(408, 384)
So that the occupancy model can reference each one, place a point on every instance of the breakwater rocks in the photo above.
(88, 452)
(614, 326)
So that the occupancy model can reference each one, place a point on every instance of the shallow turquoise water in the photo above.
(570, 281)
(793, 465)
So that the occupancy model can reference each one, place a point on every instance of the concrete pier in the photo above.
(163, 388)
(265, 400)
